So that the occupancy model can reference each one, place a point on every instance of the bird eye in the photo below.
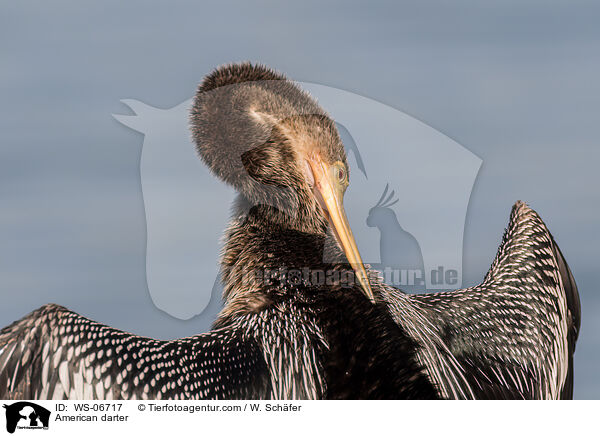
(341, 174)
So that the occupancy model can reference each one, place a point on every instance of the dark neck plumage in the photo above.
(262, 244)
(270, 268)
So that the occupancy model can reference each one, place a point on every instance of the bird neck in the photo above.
(268, 270)
(265, 257)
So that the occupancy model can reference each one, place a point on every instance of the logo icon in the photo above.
(413, 234)
(26, 415)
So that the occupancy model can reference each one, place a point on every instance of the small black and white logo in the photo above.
(26, 415)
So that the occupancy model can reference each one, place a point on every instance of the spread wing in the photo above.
(54, 353)
(514, 335)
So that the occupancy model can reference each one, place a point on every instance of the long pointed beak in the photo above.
(330, 195)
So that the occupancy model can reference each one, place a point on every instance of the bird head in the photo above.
(271, 141)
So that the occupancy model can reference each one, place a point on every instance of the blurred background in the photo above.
(514, 82)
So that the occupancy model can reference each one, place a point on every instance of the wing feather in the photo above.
(54, 353)
(514, 335)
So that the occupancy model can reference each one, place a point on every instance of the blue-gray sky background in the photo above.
(514, 82)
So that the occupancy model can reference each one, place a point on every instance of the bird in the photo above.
(304, 317)
(300, 320)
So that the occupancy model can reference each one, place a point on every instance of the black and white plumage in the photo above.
(57, 354)
(309, 347)
(513, 336)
